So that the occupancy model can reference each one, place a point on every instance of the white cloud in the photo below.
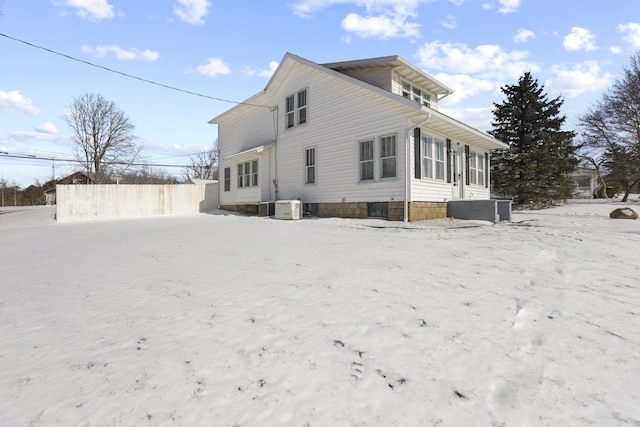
(631, 34)
(91, 9)
(508, 6)
(47, 127)
(383, 18)
(450, 22)
(523, 35)
(457, 2)
(15, 101)
(214, 67)
(122, 54)
(579, 39)
(488, 61)
(465, 86)
(250, 72)
(192, 11)
(616, 50)
(381, 26)
(582, 78)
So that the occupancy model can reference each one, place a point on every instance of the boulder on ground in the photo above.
(623, 213)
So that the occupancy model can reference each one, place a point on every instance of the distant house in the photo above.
(357, 139)
(585, 181)
(74, 178)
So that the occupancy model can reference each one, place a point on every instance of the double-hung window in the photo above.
(366, 160)
(476, 168)
(296, 109)
(433, 158)
(440, 159)
(388, 156)
(227, 179)
(427, 156)
(247, 174)
(310, 166)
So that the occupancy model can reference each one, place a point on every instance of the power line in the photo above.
(64, 55)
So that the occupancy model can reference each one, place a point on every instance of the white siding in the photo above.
(380, 76)
(396, 87)
(339, 115)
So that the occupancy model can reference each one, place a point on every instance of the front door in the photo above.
(457, 183)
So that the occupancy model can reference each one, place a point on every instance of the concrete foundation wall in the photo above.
(120, 201)
(487, 210)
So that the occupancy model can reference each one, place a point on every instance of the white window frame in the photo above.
(415, 93)
(387, 155)
(296, 108)
(310, 164)
(440, 159)
(371, 150)
(427, 156)
(476, 167)
(434, 157)
(248, 173)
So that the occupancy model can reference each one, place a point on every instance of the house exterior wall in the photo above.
(340, 113)
(379, 76)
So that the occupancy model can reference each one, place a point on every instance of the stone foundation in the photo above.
(418, 211)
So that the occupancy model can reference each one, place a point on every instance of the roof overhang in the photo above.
(457, 131)
(252, 152)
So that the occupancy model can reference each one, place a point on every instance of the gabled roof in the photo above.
(436, 120)
(400, 66)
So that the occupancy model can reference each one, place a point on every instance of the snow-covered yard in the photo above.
(227, 320)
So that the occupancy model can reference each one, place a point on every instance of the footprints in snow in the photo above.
(359, 368)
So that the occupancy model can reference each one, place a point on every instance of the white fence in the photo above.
(119, 201)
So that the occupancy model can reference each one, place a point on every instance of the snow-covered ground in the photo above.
(229, 320)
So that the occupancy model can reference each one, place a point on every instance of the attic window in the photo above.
(416, 94)
(296, 109)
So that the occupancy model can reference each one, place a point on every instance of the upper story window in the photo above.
(296, 109)
(416, 94)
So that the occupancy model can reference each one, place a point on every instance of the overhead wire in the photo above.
(64, 55)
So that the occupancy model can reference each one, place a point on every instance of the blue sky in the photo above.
(228, 50)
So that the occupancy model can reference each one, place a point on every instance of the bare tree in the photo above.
(103, 136)
(203, 165)
(612, 127)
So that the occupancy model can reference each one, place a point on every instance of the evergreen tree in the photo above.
(536, 169)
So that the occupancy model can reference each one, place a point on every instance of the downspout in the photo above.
(275, 110)
(407, 167)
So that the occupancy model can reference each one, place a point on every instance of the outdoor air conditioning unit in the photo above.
(288, 209)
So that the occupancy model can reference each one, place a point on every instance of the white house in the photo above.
(353, 139)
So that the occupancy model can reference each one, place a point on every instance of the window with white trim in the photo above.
(416, 94)
(476, 168)
(388, 156)
(366, 159)
(296, 109)
(227, 179)
(433, 157)
(310, 166)
(440, 159)
(427, 156)
(248, 174)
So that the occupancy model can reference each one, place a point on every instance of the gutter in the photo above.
(407, 167)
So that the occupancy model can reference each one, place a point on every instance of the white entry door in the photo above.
(457, 181)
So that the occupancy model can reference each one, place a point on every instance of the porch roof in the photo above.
(250, 152)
